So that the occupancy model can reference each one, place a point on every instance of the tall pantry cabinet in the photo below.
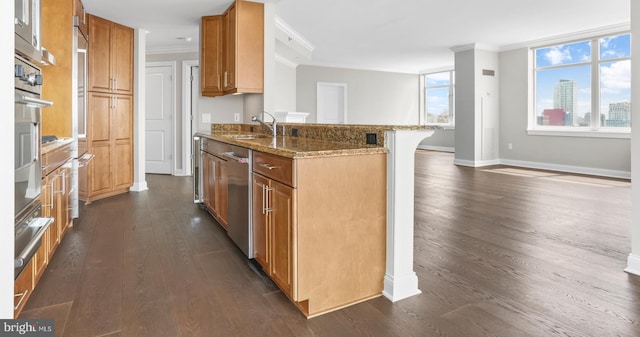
(109, 110)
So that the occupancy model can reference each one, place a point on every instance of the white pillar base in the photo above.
(139, 186)
(633, 264)
(399, 288)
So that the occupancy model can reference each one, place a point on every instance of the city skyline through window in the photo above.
(571, 78)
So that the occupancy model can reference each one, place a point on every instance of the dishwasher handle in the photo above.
(233, 156)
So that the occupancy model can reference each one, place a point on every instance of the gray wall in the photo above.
(441, 140)
(285, 93)
(373, 97)
(601, 155)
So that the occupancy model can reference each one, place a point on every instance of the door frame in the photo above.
(171, 64)
(187, 118)
(319, 88)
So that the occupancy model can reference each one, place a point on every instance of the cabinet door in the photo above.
(100, 169)
(22, 289)
(209, 163)
(211, 53)
(82, 16)
(281, 202)
(221, 191)
(61, 201)
(99, 54)
(260, 222)
(229, 43)
(121, 141)
(122, 59)
(40, 259)
(49, 209)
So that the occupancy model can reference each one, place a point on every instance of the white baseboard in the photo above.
(437, 148)
(478, 163)
(633, 264)
(568, 168)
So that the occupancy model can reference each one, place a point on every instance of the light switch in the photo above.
(206, 118)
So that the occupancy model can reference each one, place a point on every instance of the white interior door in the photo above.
(160, 114)
(332, 103)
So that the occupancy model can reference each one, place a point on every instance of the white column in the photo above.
(400, 281)
(633, 261)
(139, 69)
(7, 172)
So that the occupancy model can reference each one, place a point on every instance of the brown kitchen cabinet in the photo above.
(110, 57)
(232, 46)
(50, 209)
(211, 56)
(216, 187)
(55, 198)
(81, 17)
(22, 289)
(110, 140)
(57, 86)
(273, 217)
(273, 230)
(319, 227)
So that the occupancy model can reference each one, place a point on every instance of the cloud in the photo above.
(556, 55)
(616, 76)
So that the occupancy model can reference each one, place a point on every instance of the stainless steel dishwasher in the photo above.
(240, 198)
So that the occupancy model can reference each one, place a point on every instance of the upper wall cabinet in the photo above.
(232, 50)
(80, 19)
(110, 57)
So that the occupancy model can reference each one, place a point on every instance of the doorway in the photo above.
(159, 117)
(331, 103)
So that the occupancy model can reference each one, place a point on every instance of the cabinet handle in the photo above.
(218, 80)
(269, 166)
(268, 201)
(64, 182)
(263, 198)
(22, 297)
(115, 84)
(225, 79)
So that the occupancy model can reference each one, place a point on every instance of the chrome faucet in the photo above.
(273, 127)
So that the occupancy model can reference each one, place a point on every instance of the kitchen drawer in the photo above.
(53, 159)
(216, 148)
(275, 167)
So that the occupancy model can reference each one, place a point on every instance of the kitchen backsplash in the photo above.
(353, 134)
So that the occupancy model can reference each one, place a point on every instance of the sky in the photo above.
(572, 62)
(567, 61)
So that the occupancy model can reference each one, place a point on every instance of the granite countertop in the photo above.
(293, 147)
(50, 146)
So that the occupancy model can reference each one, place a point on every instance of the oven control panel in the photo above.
(27, 76)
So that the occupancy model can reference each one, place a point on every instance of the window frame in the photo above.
(424, 88)
(595, 130)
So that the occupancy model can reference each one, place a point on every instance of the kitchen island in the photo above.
(319, 215)
(392, 173)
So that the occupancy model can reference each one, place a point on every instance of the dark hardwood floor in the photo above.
(499, 251)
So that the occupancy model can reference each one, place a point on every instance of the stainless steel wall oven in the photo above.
(29, 227)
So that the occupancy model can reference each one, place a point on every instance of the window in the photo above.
(584, 85)
(438, 100)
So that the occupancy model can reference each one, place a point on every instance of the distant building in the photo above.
(565, 96)
(619, 115)
(553, 117)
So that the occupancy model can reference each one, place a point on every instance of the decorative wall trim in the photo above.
(477, 163)
(437, 148)
(568, 168)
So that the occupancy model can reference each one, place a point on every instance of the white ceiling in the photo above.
(392, 35)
